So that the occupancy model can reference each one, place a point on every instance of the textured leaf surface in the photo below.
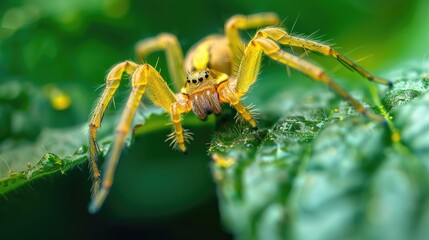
(323, 172)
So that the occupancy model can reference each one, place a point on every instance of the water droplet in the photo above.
(81, 150)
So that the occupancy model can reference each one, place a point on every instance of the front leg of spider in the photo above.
(113, 80)
(179, 136)
(144, 79)
(229, 95)
(266, 41)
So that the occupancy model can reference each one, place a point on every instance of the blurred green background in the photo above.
(64, 48)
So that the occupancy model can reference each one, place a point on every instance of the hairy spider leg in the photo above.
(139, 82)
(144, 78)
(227, 94)
(179, 136)
(173, 52)
(250, 65)
(233, 27)
(242, 22)
(112, 83)
(281, 36)
(168, 42)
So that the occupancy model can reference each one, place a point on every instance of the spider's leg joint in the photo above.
(274, 33)
(231, 97)
(179, 135)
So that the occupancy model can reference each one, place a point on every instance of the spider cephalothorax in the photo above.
(221, 68)
(201, 90)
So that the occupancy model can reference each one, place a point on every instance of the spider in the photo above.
(218, 69)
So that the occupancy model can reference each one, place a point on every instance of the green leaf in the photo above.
(324, 172)
(61, 150)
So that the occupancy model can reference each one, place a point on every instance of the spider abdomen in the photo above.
(205, 102)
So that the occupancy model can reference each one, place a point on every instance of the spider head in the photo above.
(201, 88)
(197, 77)
(199, 80)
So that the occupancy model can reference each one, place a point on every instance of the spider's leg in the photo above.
(144, 79)
(179, 136)
(173, 53)
(282, 37)
(139, 82)
(241, 22)
(228, 95)
(250, 65)
(112, 83)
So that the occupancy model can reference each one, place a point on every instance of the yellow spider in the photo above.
(218, 69)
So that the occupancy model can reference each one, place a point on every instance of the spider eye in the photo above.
(207, 75)
(200, 79)
(189, 81)
(194, 80)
